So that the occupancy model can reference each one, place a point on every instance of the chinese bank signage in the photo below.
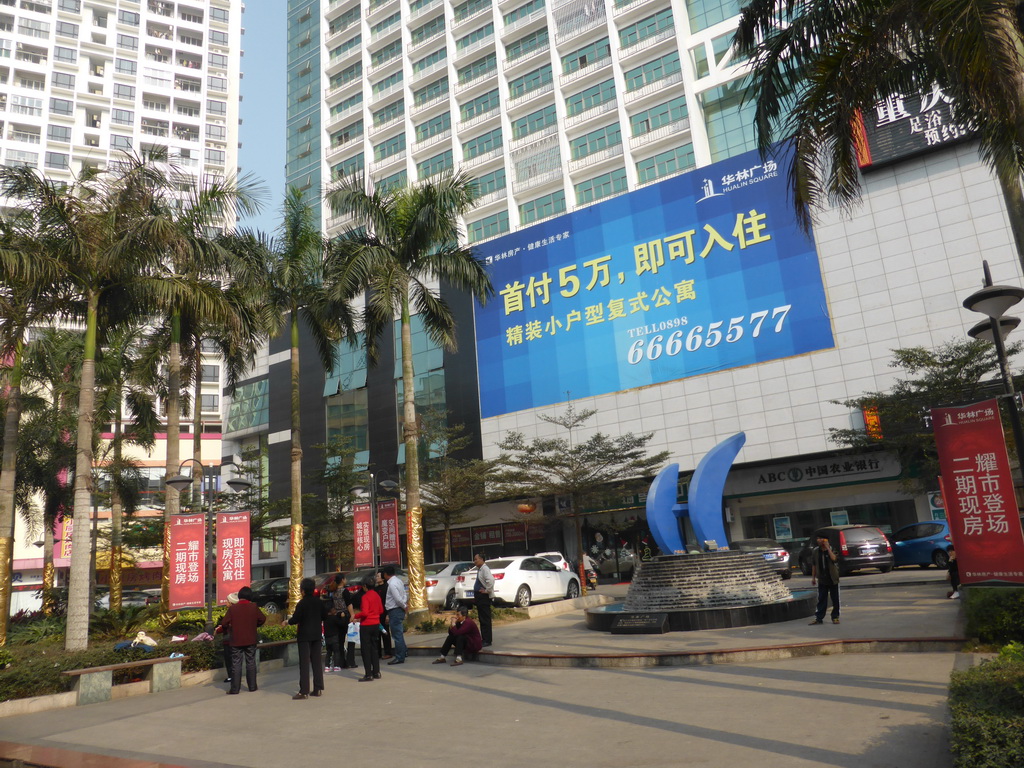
(699, 273)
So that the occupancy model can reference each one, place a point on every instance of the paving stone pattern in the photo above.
(706, 580)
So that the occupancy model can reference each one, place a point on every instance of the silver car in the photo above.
(441, 582)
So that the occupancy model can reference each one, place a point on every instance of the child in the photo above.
(334, 625)
(954, 574)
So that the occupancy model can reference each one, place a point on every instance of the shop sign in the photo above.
(460, 537)
(978, 491)
(486, 535)
(812, 473)
(514, 533)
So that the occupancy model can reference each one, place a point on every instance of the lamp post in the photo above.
(993, 301)
(180, 483)
(381, 479)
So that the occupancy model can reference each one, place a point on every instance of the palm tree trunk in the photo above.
(413, 511)
(8, 472)
(116, 510)
(447, 539)
(77, 637)
(197, 441)
(172, 502)
(49, 572)
(296, 546)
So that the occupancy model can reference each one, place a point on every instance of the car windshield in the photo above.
(260, 584)
(499, 564)
(435, 568)
(854, 535)
(552, 558)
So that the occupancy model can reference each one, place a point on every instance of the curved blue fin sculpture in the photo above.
(705, 499)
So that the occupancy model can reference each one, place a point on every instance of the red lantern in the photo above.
(527, 507)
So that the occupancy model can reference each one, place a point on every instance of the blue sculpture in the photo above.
(704, 507)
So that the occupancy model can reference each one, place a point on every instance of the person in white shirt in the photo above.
(483, 593)
(395, 603)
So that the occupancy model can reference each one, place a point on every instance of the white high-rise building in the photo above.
(85, 80)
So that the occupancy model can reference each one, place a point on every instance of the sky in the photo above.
(262, 110)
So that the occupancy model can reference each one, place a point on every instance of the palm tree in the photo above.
(410, 239)
(816, 65)
(298, 285)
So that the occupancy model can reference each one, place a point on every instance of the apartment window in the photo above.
(218, 38)
(5, 49)
(431, 91)
(62, 80)
(531, 81)
(34, 28)
(590, 97)
(67, 29)
(641, 30)
(611, 183)
(122, 116)
(535, 121)
(347, 134)
(216, 131)
(655, 117)
(434, 126)
(433, 165)
(219, 14)
(57, 160)
(490, 226)
(216, 156)
(433, 27)
(216, 107)
(395, 180)
(388, 82)
(210, 403)
(389, 112)
(652, 71)
(190, 38)
(128, 42)
(391, 20)
(27, 135)
(707, 13)
(490, 182)
(126, 66)
(120, 142)
(32, 82)
(467, 9)
(122, 91)
(481, 144)
(61, 133)
(430, 60)
(730, 120)
(67, 55)
(57, 106)
(477, 34)
(595, 141)
(389, 147)
(74, 6)
(348, 166)
(542, 207)
(210, 374)
(587, 55)
(528, 44)
(666, 163)
(390, 51)
(217, 83)
(128, 17)
(347, 75)
(218, 60)
(478, 68)
(17, 158)
(523, 11)
(480, 105)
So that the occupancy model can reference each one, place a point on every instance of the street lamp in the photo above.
(387, 485)
(180, 483)
(994, 301)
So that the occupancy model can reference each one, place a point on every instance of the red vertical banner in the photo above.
(188, 549)
(978, 491)
(233, 554)
(362, 519)
(62, 547)
(387, 523)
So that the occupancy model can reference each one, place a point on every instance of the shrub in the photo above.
(37, 630)
(270, 634)
(430, 626)
(6, 658)
(123, 624)
(987, 708)
(995, 614)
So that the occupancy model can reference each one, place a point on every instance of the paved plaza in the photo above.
(854, 710)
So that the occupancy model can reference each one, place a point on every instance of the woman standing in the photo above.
(309, 616)
(370, 610)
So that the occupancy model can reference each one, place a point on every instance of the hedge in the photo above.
(995, 615)
(987, 709)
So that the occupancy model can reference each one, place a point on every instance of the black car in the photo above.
(856, 547)
(774, 553)
(271, 594)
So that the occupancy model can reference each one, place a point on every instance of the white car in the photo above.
(557, 558)
(441, 582)
(521, 581)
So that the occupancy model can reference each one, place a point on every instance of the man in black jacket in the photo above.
(825, 573)
(309, 616)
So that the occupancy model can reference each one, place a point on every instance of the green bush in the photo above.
(995, 614)
(987, 715)
(270, 634)
(37, 630)
(6, 658)
(430, 626)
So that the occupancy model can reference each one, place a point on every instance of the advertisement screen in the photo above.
(702, 272)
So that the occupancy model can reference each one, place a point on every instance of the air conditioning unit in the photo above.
(99, 71)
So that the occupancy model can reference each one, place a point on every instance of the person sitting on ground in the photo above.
(464, 634)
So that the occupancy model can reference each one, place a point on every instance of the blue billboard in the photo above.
(701, 272)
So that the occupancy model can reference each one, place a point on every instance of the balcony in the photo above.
(473, 162)
(391, 122)
(595, 157)
(518, 101)
(335, 150)
(485, 78)
(422, 10)
(492, 197)
(526, 21)
(620, 9)
(591, 113)
(382, 34)
(351, 86)
(651, 88)
(586, 26)
(483, 117)
(341, 221)
(431, 141)
(647, 43)
(387, 162)
(537, 180)
(476, 45)
(529, 138)
(422, 45)
(456, 24)
(337, 35)
(377, 8)
(526, 58)
(591, 68)
(376, 69)
(665, 131)
(431, 102)
(391, 89)
(437, 66)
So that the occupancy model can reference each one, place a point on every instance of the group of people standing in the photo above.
(379, 609)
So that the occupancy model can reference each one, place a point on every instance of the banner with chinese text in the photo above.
(387, 521)
(978, 491)
(187, 552)
(233, 554)
(363, 533)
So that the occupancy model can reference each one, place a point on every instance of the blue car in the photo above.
(922, 544)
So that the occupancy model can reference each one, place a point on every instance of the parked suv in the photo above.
(856, 547)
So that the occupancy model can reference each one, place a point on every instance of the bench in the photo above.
(95, 684)
(291, 650)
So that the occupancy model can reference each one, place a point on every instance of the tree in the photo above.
(409, 241)
(298, 284)
(329, 521)
(955, 373)
(816, 65)
(587, 473)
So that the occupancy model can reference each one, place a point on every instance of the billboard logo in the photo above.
(708, 187)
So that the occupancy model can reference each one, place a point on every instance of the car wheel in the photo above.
(941, 559)
(271, 608)
(805, 568)
(523, 597)
(786, 575)
(449, 600)
(885, 568)
(574, 590)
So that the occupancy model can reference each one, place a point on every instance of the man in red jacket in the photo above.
(464, 634)
(239, 625)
